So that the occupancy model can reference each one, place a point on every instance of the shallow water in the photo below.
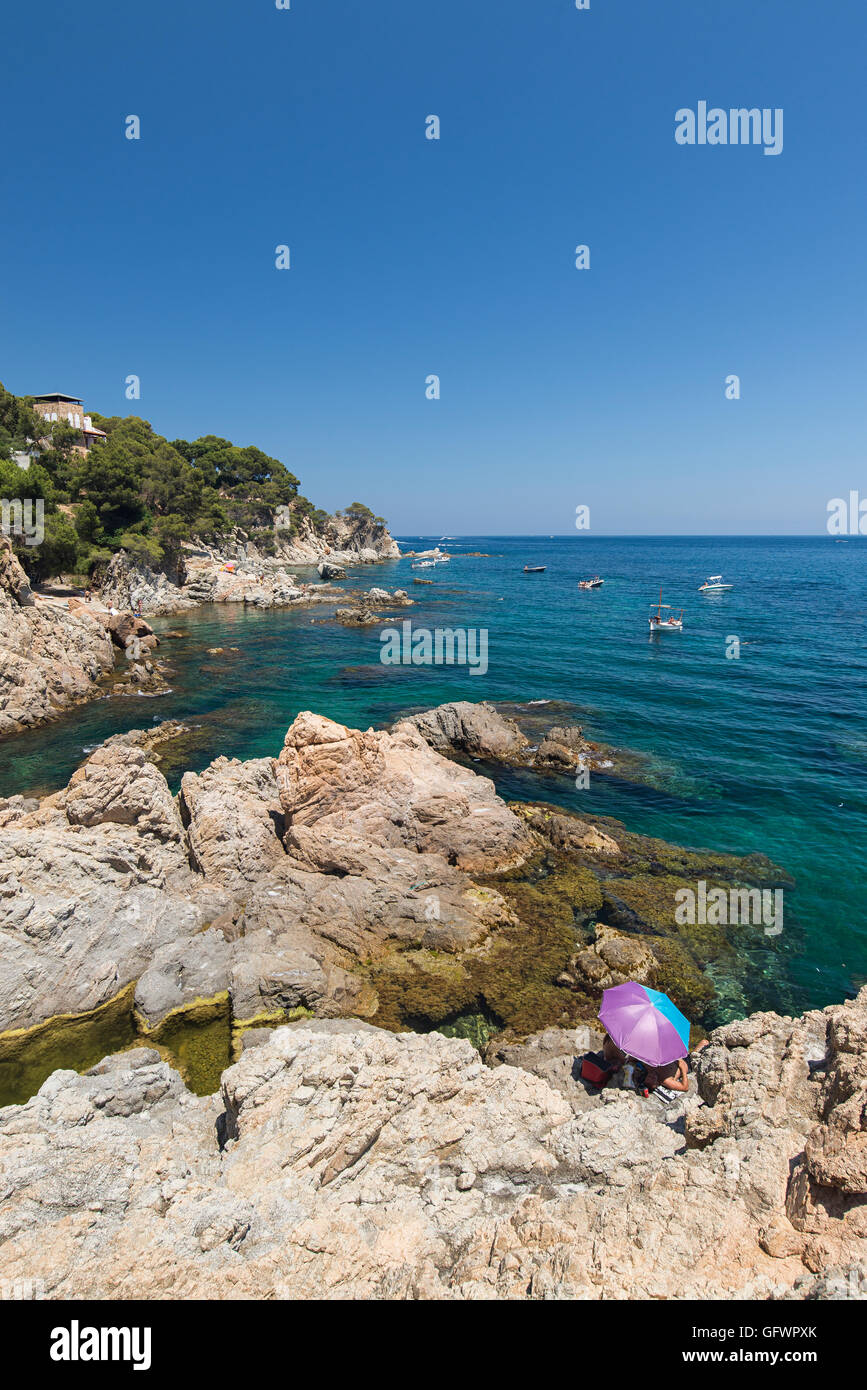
(767, 752)
(200, 1049)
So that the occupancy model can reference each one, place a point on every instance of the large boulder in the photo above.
(85, 911)
(234, 820)
(392, 790)
(328, 570)
(476, 730)
(119, 784)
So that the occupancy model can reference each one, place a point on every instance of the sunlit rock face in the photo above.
(343, 1161)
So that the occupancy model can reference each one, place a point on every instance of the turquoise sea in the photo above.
(764, 752)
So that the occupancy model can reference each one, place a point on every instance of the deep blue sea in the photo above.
(764, 752)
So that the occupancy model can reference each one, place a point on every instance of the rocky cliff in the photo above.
(58, 652)
(346, 540)
(50, 658)
(236, 570)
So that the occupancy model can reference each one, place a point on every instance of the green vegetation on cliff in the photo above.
(141, 493)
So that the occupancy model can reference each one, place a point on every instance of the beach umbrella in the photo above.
(644, 1024)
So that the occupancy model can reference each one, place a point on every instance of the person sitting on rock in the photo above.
(613, 1055)
(666, 1082)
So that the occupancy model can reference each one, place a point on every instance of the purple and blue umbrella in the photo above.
(645, 1024)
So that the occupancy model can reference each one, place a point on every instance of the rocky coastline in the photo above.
(343, 1161)
(56, 653)
(357, 873)
(58, 649)
(272, 978)
(239, 571)
(298, 915)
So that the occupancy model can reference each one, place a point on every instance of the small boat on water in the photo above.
(713, 585)
(535, 569)
(424, 564)
(594, 583)
(660, 624)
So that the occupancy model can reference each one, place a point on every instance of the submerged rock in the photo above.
(356, 617)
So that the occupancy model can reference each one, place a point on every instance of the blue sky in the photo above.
(411, 257)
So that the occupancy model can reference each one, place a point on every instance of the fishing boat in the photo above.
(535, 569)
(713, 585)
(660, 624)
(594, 583)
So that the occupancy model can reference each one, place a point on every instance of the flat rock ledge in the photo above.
(342, 1161)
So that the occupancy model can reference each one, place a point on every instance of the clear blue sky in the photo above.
(411, 257)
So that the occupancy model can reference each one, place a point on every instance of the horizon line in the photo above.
(634, 535)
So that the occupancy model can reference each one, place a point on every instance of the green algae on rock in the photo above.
(67, 1042)
(594, 907)
(273, 1018)
(197, 1038)
(358, 874)
(194, 1040)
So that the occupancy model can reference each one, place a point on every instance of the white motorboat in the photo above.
(714, 585)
